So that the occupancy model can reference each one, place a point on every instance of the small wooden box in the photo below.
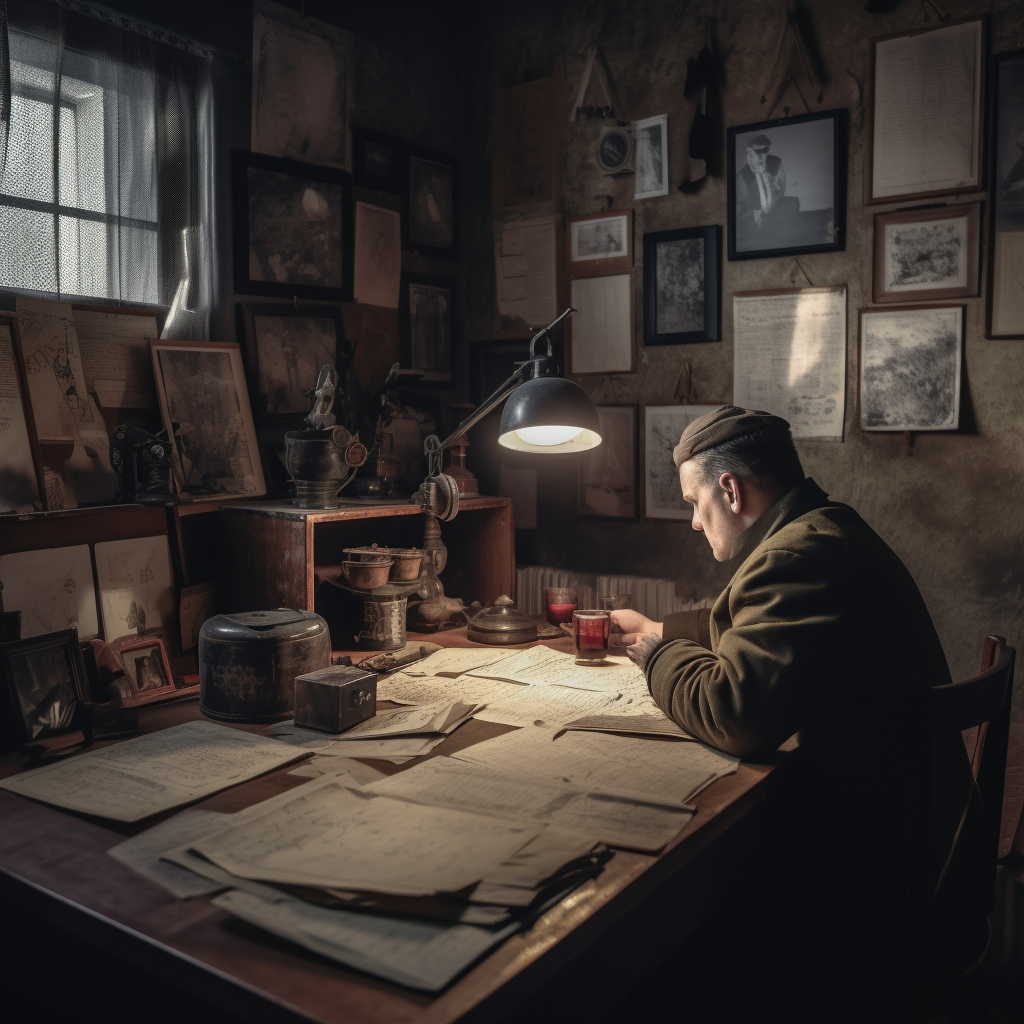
(336, 698)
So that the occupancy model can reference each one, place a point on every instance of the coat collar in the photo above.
(803, 498)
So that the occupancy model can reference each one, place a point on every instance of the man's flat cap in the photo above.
(760, 142)
(724, 424)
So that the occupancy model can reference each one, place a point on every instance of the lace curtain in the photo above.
(106, 186)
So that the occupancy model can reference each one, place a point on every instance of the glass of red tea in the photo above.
(590, 635)
(559, 604)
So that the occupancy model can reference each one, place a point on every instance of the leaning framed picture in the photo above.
(429, 203)
(376, 160)
(682, 286)
(910, 362)
(926, 254)
(204, 406)
(663, 425)
(609, 480)
(292, 228)
(599, 243)
(146, 669)
(787, 186)
(427, 319)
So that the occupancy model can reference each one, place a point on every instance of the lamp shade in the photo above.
(549, 415)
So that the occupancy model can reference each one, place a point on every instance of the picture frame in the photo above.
(428, 328)
(609, 475)
(683, 286)
(650, 155)
(200, 385)
(787, 186)
(1004, 314)
(491, 363)
(663, 425)
(275, 203)
(430, 203)
(54, 589)
(900, 138)
(926, 253)
(134, 585)
(147, 669)
(910, 367)
(599, 243)
(377, 160)
(601, 331)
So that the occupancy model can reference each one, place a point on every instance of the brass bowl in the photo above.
(368, 553)
(407, 563)
(367, 575)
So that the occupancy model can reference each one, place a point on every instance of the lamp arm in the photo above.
(544, 330)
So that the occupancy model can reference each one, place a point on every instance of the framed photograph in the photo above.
(146, 669)
(491, 363)
(682, 286)
(925, 112)
(1006, 278)
(650, 149)
(601, 332)
(599, 243)
(910, 359)
(427, 316)
(926, 254)
(376, 161)
(204, 406)
(609, 481)
(44, 687)
(293, 228)
(663, 425)
(787, 186)
(429, 201)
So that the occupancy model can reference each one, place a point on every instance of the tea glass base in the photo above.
(590, 661)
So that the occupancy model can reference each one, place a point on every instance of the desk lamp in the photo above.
(545, 414)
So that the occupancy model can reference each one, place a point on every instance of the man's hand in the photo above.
(641, 651)
(628, 625)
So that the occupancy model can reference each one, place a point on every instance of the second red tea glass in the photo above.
(559, 604)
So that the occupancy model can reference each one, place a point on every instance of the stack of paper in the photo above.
(431, 719)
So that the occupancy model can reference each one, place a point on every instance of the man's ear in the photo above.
(730, 483)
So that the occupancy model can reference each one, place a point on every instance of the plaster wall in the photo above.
(952, 508)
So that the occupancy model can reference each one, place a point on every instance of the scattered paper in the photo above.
(643, 725)
(545, 667)
(431, 719)
(550, 705)
(352, 773)
(405, 688)
(388, 748)
(453, 661)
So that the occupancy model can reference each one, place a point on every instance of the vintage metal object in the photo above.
(503, 623)
(406, 561)
(368, 573)
(321, 463)
(336, 698)
(392, 662)
(142, 462)
(248, 662)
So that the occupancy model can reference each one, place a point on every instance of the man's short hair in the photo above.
(767, 458)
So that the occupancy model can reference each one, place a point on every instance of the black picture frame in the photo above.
(430, 190)
(491, 363)
(822, 229)
(429, 333)
(377, 160)
(274, 202)
(659, 247)
(596, 500)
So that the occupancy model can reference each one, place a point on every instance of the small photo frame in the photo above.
(609, 480)
(926, 254)
(427, 316)
(601, 331)
(293, 227)
(146, 669)
(376, 161)
(599, 243)
(663, 426)
(682, 286)
(787, 186)
(650, 152)
(429, 203)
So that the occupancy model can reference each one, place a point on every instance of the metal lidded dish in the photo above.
(368, 574)
(502, 623)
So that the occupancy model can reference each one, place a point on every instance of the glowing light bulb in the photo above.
(548, 436)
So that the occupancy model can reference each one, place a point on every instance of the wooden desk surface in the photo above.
(55, 864)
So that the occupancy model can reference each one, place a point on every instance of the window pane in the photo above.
(83, 258)
(137, 265)
(82, 158)
(29, 170)
(26, 257)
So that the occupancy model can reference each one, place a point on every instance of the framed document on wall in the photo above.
(682, 286)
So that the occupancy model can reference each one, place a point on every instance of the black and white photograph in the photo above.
(376, 160)
(427, 318)
(293, 228)
(609, 480)
(682, 295)
(429, 199)
(787, 191)
(910, 368)
(651, 156)
(599, 243)
(926, 254)
(146, 668)
(663, 425)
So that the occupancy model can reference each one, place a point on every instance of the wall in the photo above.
(951, 509)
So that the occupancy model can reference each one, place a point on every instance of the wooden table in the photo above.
(590, 949)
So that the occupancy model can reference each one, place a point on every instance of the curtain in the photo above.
(107, 188)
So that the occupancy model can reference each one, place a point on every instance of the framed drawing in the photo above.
(599, 243)
(204, 406)
(136, 587)
(650, 153)
(292, 227)
(427, 318)
(147, 669)
(376, 161)
(682, 286)
(53, 589)
(609, 481)
(910, 359)
(601, 332)
(925, 112)
(926, 254)
(1006, 278)
(787, 186)
(429, 203)
(663, 425)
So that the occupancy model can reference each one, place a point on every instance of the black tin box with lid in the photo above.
(336, 698)
(248, 662)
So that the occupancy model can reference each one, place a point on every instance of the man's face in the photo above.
(758, 159)
(712, 509)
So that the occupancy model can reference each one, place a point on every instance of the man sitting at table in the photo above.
(822, 633)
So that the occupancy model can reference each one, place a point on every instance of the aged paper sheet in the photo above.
(378, 256)
(115, 357)
(602, 330)
(52, 588)
(20, 490)
(453, 661)
(136, 588)
(525, 258)
(545, 667)
(551, 705)
(791, 357)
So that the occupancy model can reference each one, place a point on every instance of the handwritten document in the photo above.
(551, 705)
(791, 357)
(139, 777)
(115, 357)
(453, 661)
(545, 667)
(602, 330)
(425, 720)
(21, 490)
(52, 588)
(525, 257)
(405, 688)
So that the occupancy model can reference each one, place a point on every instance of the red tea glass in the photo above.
(590, 635)
(560, 603)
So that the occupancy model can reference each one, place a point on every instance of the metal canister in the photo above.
(248, 662)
